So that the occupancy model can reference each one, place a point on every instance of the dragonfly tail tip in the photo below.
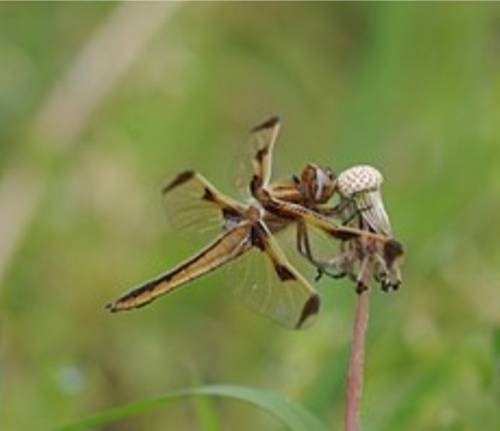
(111, 307)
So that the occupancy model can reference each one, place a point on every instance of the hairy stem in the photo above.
(356, 365)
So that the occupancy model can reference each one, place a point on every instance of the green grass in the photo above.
(412, 88)
(292, 415)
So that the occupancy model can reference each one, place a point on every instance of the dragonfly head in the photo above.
(318, 184)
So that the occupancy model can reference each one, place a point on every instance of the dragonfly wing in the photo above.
(265, 135)
(309, 249)
(196, 209)
(254, 160)
(267, 283)
(390, 249)
(222, 250)
(296, 212)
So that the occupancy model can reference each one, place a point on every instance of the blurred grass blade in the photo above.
(496, 362)
(292, 415)
(207, 414)
(496, 346)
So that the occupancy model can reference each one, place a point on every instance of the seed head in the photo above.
(361, 178)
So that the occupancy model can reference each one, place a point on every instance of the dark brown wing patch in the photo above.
(283, 272)
(311, 308)
(264, 136)
(222, 250)
(208, 195)
(339, 233)
(178, 180)
(263, 152)
(196, 209)
(271, 122)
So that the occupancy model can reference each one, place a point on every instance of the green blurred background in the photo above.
(412, 88)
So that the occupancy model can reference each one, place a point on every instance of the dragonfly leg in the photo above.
(304, 248)
(357, 212)
(322, 271)
(337, 211)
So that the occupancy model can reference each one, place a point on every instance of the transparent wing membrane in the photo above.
(196, 210)
(260, 274)
(322, 249)
(265, 135)
(219, 252)
(257, 155)
(265, 281)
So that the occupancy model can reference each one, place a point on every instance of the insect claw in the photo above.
(319, 274)
(322, 272)
(333, 275)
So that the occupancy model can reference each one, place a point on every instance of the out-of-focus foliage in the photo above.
(411, 88)
(291, 415)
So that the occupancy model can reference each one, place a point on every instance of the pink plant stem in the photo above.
(356, 365)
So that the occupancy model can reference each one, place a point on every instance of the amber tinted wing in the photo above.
(196, 209)
(389, 248)
(267, 283)
(265, 135)
(254, 160)
(316, 250)
(224, 249)
(318, 221)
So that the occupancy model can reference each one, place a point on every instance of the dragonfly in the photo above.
(251, 229)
